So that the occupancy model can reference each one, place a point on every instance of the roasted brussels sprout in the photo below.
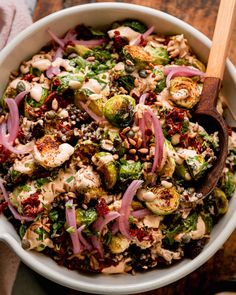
(169, 166)
(119, 110)
(198, 64)
(107, 166)
(118, 244)
(228, 184)
(220, 200)
(130, 170)
(87, 148)
(138, 55)
(159, 54)
(165, 202)
(183, 172)
(85, 216)
(185, 92)
(197, 166)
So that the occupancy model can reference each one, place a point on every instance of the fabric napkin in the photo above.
(14, 17)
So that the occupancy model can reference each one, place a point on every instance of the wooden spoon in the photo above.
(206, 113)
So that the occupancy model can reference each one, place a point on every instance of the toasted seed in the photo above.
(135, 128)
(132, 142)
(139, 142)
(136, 158)
(126, 144)
(126, 130)
(143, 151)
(132, 151)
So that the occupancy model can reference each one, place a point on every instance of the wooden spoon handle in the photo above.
(222, 33)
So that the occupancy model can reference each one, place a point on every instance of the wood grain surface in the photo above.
(202, 15)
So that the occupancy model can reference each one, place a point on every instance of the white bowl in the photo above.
(101, 14)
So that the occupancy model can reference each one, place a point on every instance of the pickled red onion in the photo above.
(180, 71)
(71, 221)
(83, 241)
(104, 220)
(20, 96)
(97, 244)
(141, 37)
(13, 119)
(91, 113)
(159, 140)
(4, 141)
(140, 213)
(125, 207)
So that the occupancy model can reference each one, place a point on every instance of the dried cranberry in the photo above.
(28, 77)
(101, 207)
(4, 154)
(3, 206)
(139, 233)
(120, 42)
(31, 205)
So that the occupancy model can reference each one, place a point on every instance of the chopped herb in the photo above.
(68, 180)
(70, 230)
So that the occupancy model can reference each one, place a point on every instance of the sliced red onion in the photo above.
(56, 39)
(71, 221)
(52, 71)
(20, 96)
(70, 36)
(97, 244)
(91, 113)
(89, 43)
(58, 53)
(115, 227)
(139, 214)
(180, 71)
(12, 209)
(141, 37)
(102, 221)
(4, 141)
(83, 241)
(125, 207)
(143, 98)
(14, 120)
(159, 140)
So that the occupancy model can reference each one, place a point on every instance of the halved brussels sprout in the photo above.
(159, 54)
(107, 166)
(185, 92)
(198, 64)
(87, 148)
(183, 172)
(119, 110)
(138, 55)
(197, 166)
(228, 183)
(166, 201)
(85, 216)
(221, 201)
(169, 166)
(118, 244)
(130, 170)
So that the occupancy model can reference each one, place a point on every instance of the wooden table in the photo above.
(202, 15)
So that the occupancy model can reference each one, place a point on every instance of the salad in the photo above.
(99, 155)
